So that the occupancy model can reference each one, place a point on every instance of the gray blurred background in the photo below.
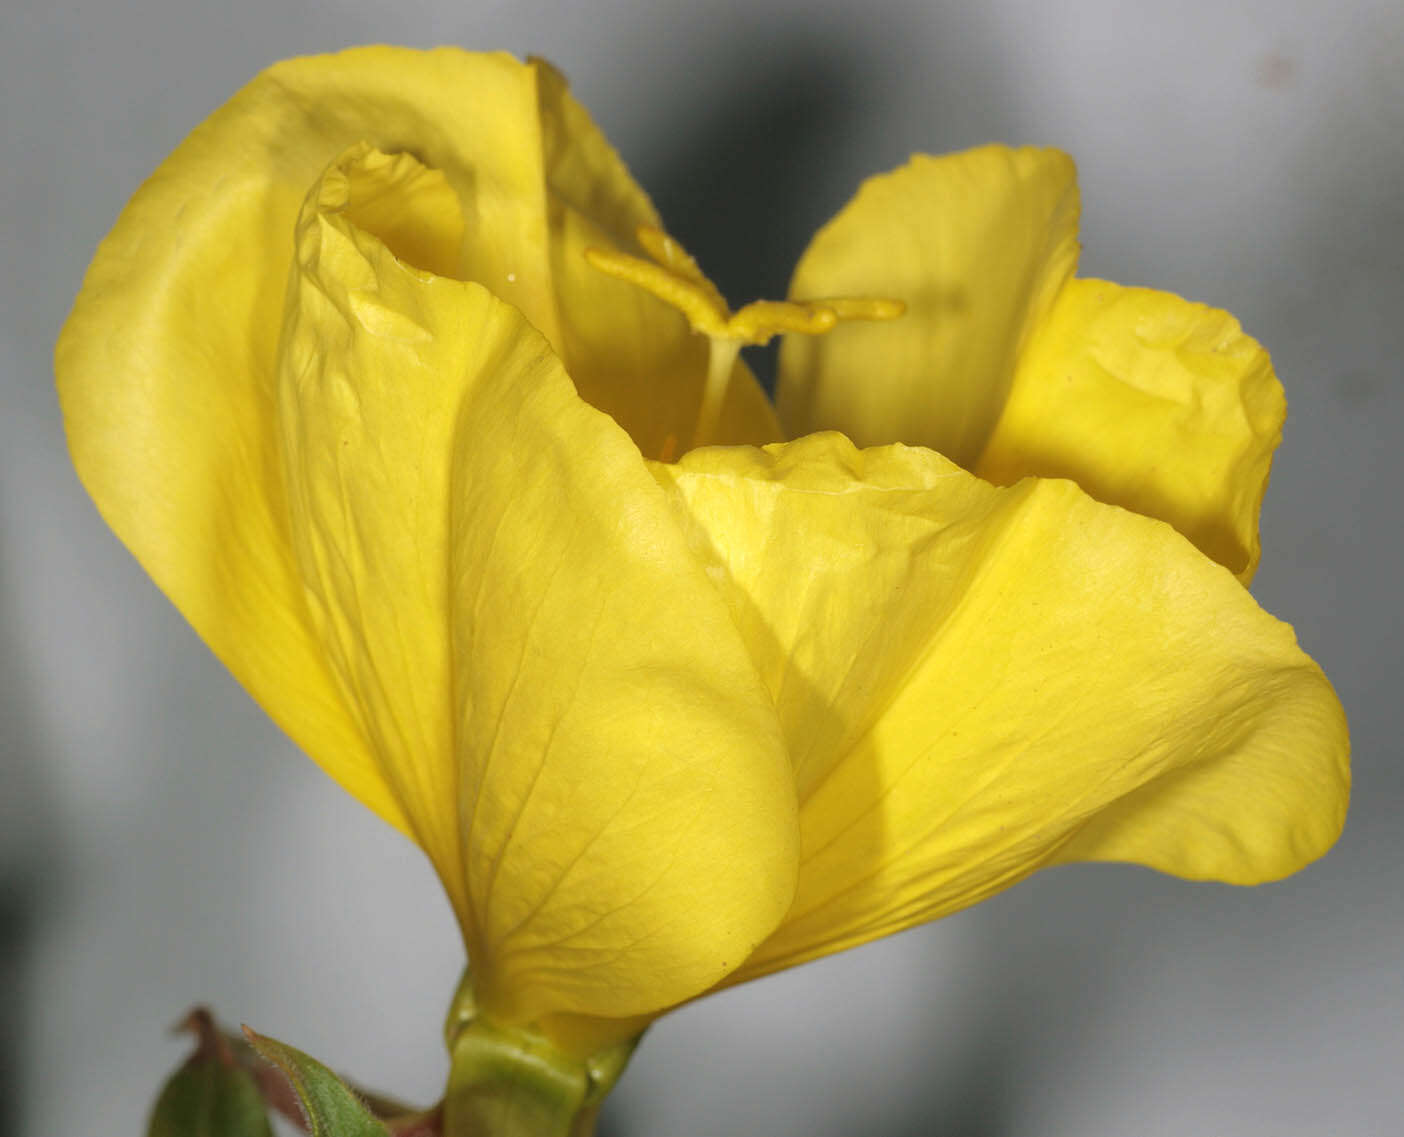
(161, 843)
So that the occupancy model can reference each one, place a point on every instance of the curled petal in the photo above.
(1149, 402)
(167, 365)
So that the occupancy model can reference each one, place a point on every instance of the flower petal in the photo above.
(977, 682)
(166, 366)
(557, 693)
(977, 245)
(1150, 402)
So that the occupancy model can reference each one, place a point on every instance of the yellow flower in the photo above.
(346, 382)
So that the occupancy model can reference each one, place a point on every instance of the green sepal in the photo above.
(332, 1108)
(210, 1095)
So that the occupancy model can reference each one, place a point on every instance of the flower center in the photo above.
(671, 274)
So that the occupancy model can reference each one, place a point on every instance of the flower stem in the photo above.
(511, 1081)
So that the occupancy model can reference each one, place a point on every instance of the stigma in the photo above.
(670, 273)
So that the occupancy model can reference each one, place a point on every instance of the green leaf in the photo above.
(332, 1108)
(209, 1096)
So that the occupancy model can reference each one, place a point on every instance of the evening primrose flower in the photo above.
(394, 383)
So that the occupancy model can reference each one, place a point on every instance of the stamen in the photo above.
(674, 277)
